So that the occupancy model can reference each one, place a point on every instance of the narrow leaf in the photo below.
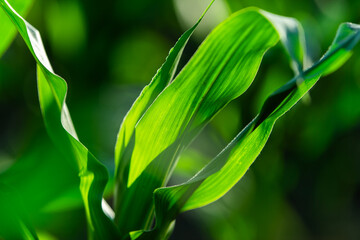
(7, 29)
(161, 80)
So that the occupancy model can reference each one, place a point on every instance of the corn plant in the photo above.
(168, 114)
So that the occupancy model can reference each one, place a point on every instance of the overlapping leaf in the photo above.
(214, 76)
(215, 179)
(124, 143)
(221, 70)
(52, 93)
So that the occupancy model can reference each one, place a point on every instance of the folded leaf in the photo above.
(292, 38)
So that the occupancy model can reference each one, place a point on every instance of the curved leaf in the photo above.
(7, 29)
(52, 93)
(160, 81)
(221, 70)
(215, 179)
(292, 38)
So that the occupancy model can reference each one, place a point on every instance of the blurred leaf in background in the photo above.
(66, 17)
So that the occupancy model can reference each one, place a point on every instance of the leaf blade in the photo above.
(221, 70)
(215, 179)
(52, 94)
(7, 29)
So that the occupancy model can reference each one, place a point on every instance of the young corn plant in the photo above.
(168, 114)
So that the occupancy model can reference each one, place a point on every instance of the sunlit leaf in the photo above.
(7, 29)
(221, 70)
(124, 143)
(215, 179)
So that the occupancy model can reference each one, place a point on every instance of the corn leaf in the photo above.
(52, 93)
(214, 76)
(222, 69)
(292, 38)
(7, 29)
(124, 145)
(209, 85)
(216, 178)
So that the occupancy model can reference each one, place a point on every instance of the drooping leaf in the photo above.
(292, 38)
(52, 93)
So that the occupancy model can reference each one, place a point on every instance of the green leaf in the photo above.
(216, 178)
(221, 70)
(147, 96)
(124, 145)
(292, 38)
(7, 29)
(52, 93)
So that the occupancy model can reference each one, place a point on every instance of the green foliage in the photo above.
(168, 114)
(8, 30)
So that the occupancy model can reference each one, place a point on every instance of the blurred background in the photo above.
(304, 185)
